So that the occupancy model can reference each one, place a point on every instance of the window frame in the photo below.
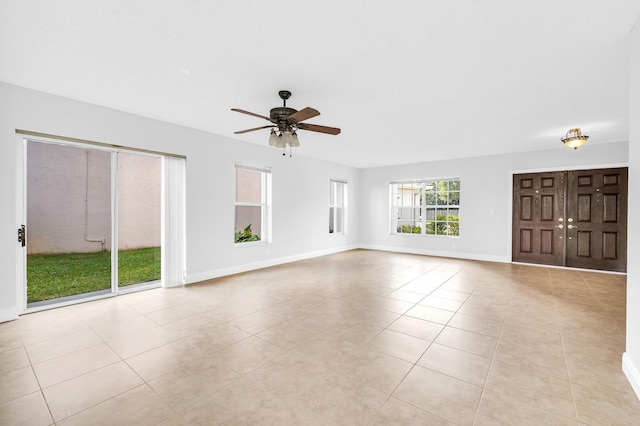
(422, 208)
(338, 201)
(264, 204)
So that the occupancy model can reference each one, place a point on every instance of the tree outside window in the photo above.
(426, 207)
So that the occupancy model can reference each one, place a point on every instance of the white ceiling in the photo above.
(406, 81)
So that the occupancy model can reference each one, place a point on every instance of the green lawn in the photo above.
(50, 276)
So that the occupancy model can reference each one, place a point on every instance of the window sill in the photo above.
(426, 235)
(251, 243)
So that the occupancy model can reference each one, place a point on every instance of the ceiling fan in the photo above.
(286, 122)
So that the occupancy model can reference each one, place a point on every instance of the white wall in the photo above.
(300, 186)
(631, 359)
(485, 200)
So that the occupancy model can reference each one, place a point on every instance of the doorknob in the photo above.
(561, 226)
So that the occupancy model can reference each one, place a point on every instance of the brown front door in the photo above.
(538, 203)
(597, 219)
(576, 218)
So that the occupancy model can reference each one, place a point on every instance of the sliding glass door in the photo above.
(93, 221)
(139, 208)
(69, 217)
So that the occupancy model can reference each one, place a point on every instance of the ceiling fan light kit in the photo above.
(574, 138)
(286, 122)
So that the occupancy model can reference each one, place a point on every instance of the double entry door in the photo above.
(572, 218)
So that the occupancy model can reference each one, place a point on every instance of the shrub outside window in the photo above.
(253, 205)
(337, 207)
(426, 207)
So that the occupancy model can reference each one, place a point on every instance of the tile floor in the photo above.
(361, 337)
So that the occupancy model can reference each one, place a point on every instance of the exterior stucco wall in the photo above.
(69, 199)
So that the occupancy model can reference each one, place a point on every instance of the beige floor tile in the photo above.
(548, 393)
(287, 335)
(597, 407)
(456, 363)
(375, 317)
(188, 384)
(13, 359)
(393, 305)
(399, 345)
(156, 362)
(246, 355)
(351, 330)
(416, 327)
(9, 336)
(68, 366)
(489, 300)
(441, 303)
(257, 322)
(139, 406)
(468, 341)
(478, 325)
(142, 341)
(458, 296)
(332, 340)
(215, 338)
(78, 394)
(29, 410)
(376, 370)
(176, 313)
(63, 345)
(190, 325)
(17, 383)
(441, 395)
(47, 325)
(396, 412)
(427, 313)
(546, 359)
(123, 327)
(420, 288)
(497, 409)
(332, 399)
(405, 296)
(240, 402)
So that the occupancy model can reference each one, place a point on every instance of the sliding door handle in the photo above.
(22, 236)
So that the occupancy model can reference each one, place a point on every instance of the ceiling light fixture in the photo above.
(282, 139)
(574, 138)
(286, 122)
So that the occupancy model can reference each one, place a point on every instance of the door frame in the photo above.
(172, 216)
(542, 170)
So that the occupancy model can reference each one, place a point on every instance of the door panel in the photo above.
(597, 219)
(68, 223)
(538, 203)
(592, 233)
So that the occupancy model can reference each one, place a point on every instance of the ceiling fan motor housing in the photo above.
(279, 116)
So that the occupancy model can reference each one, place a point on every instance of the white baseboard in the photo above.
(208, 275)
(632, 372)
(8, 314)
(450, 254)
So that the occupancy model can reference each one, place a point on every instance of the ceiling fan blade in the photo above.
(303, 114)
(250, 113)
(239, 132)
(318, 128)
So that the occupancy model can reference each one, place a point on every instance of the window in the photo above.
(253, 205)
(426, 207)
(337, 207)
